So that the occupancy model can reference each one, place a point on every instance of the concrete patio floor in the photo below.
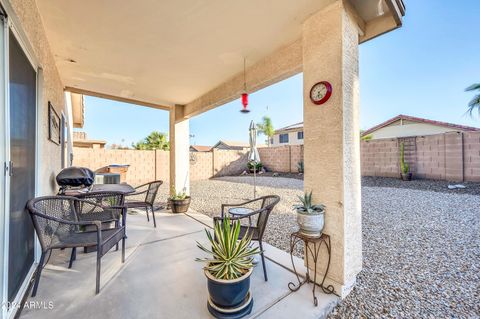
(160, 279)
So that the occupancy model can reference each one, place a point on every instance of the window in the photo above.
(300, 135)
(284, 138)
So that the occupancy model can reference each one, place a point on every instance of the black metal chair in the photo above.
(113, 212)
(144, 197)
(262, 207)
(57, 224)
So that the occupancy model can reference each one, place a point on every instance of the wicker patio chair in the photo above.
(262, 207)
(57, 225)
(144, 197)
(113, 212)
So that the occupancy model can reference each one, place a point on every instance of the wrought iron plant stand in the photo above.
(312, 246)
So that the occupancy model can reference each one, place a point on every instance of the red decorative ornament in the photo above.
(245, 103)
(244, 94)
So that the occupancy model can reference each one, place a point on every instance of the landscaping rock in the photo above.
(421, 248)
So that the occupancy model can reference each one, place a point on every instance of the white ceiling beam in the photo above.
(117, 98)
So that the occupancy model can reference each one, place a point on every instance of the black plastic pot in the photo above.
(229, 298)
(180, 205)
(406, 177)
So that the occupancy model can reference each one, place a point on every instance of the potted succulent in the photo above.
(252, 165)
(179, 202)
(405, 173)
(228, 270)
(310, 218)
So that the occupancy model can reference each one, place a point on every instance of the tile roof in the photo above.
(201, 148)
(420, 120)
(290, 127)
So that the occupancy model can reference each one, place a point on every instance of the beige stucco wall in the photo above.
(179, 134)
(51, 89)
(410, 129)
(332, 148)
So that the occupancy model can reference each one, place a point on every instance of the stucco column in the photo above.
(179, 151)
(332, 141)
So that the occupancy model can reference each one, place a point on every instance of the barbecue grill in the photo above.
(75, 178)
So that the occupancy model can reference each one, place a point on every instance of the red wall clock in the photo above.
(320, 92)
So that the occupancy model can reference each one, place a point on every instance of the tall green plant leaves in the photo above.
(230, 257)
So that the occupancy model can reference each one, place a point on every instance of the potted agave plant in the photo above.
(228, 270)
(310, 217)
(179, 202)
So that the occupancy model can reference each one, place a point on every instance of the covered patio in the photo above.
(160, 279)
(187, 57)
(189, 62)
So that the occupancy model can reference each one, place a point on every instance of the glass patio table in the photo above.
(241, 211)
(123, 189)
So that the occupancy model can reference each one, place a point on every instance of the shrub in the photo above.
(250, 166)
(300, 167)
(405, 169)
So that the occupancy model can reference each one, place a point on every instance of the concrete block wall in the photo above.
(471, 156)
(276, 159)
(283, 158)
(142, 163)
(163, 166)
(430, 157)
(296, 156)
(451, 156)
(409, 151)
(380, 158)
(454, 156)
(229, 162)
(201, 165)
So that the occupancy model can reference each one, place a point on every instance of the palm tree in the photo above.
(475, 102)
(266, 128)
(154, 141)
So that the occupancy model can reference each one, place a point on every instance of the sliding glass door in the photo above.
(22, 116)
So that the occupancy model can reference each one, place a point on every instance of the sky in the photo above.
(421, 69)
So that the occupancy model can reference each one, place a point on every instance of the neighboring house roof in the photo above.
(88, 143)
(231, 143)
(235, 144)
(201, 148)
(292, 127)
(420, 120)
(80, 140)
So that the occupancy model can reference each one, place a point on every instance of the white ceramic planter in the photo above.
(311, 224)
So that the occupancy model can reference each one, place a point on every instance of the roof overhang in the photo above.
(78, 110)
(165, 53)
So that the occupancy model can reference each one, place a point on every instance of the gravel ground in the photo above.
(421, 243)
(208, 195)
(422, 184)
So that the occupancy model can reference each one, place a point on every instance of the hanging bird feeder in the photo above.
(244, 94)
(245, 103)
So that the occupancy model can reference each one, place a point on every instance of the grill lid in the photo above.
(76, 176)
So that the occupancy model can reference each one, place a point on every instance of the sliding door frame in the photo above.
(12, 24)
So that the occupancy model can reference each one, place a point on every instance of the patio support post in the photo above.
(179, 151)
(332, 142)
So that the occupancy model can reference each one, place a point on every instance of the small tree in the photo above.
(475, 102)
(266, 128)
(154, 141)
(403, 165)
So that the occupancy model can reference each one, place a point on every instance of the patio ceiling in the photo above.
(163, 53)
